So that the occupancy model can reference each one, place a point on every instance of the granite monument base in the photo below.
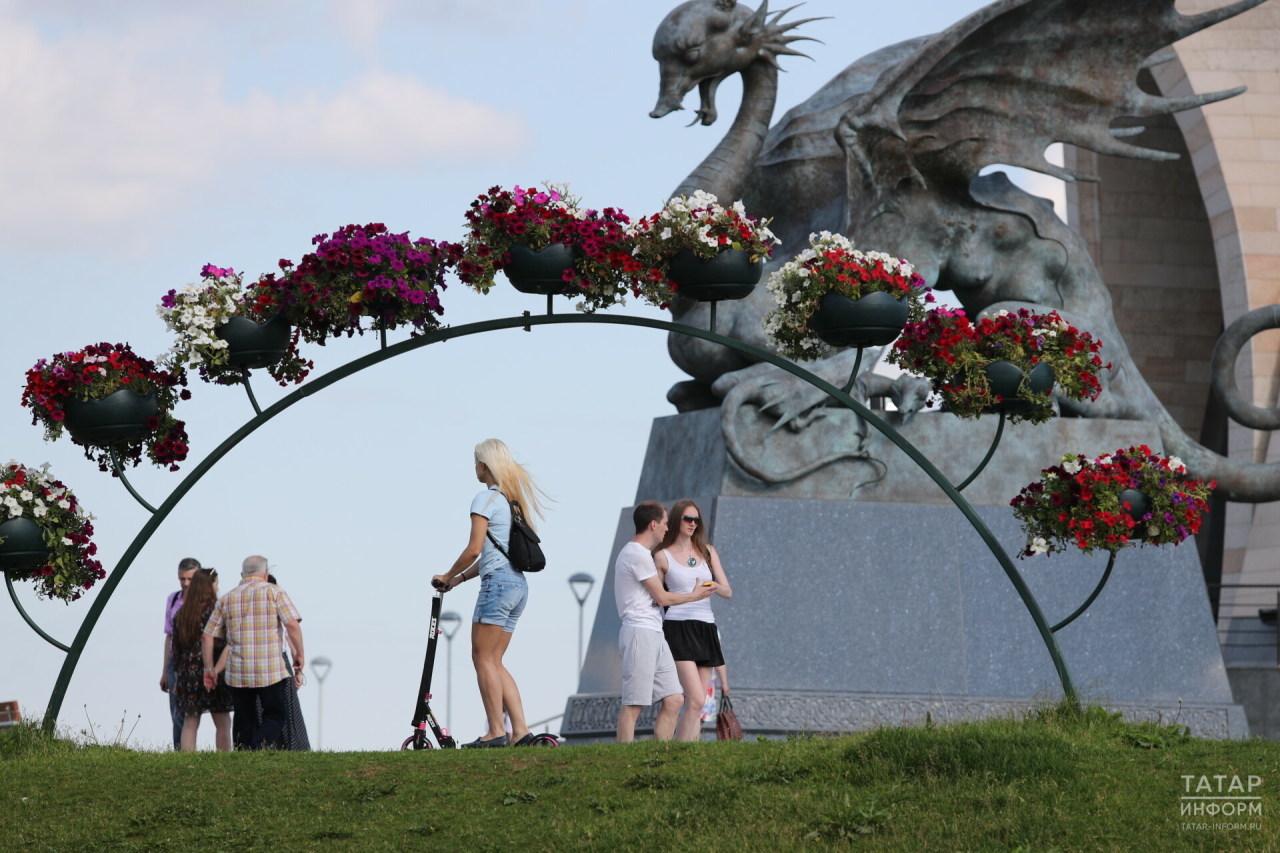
(848, 614)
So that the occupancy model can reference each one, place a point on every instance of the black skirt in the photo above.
(695, 640)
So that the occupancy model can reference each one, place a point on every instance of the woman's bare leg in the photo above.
(694, 680)
(511, 694)
(222, 727)
(190, 725)
(488, 642)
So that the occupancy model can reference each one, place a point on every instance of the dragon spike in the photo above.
(790, 39)
(756, 22)
(1195, 23)
(1150, 105)
(786, 51)
(777, 16)
(1158, 59)
(791, 25)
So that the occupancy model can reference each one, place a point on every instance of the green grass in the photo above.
(1055, 781)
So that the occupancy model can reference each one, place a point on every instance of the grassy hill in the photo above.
(1055, 780)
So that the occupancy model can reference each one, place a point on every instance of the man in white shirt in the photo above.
(648, 670)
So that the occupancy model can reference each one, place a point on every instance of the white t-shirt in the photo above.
(492, 505)
(681, 577)
(636, 606)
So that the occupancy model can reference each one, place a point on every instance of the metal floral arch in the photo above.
(527, 322)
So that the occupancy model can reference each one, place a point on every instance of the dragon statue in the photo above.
(890, 152)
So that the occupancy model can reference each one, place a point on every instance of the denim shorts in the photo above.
(503, 594)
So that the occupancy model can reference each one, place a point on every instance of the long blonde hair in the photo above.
(513, 481)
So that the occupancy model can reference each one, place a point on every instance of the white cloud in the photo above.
(98, 129)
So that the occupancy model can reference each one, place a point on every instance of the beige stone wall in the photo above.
(1234, 149)
(1149, 236)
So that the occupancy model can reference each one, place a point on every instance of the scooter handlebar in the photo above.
(438, 585)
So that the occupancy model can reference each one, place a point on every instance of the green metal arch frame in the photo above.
(527, 322)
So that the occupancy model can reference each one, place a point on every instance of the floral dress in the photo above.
(188, 665)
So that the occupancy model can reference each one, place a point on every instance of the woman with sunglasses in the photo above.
(685, 560)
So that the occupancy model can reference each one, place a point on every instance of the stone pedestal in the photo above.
(848, 614)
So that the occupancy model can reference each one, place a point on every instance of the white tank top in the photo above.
(681, 578)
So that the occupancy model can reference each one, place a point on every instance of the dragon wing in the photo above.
(1004, 83)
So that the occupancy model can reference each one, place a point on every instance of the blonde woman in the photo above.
(503, 590)
(685, 561)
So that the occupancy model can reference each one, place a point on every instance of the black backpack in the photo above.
(523, 551)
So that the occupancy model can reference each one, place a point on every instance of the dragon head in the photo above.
(701, 42)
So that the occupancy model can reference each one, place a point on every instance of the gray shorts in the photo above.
(648, 670)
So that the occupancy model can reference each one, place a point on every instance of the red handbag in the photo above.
(727, 725)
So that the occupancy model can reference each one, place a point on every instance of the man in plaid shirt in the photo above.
(250, 618)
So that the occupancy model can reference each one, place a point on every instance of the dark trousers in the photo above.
(245, 731)
(178, 719)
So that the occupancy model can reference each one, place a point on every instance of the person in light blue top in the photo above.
(503, 590)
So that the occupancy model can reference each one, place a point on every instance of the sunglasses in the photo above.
(692, 518)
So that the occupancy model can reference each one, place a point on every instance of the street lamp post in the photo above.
(320, 669)
(581, 584)
(449, 624)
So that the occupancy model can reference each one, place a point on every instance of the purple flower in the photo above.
(168, 300)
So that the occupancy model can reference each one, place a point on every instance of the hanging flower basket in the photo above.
(106, 396)
(45, 535)
(872, 321)
(252, 345)
(22, 544)
(1007, 363)
(547, 243)
(697, 248)
(1128, 497)
(361, 271)
(218, 333)
(832, 295)
(542, 271)
(1017, 391)
(118, 417)
(729, 274)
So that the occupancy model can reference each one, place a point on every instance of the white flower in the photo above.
(1177, 465)
(66, 541)
(26, 495)
(64, 504)
(1071, 466)
(1039, 545)
(1002, 313)
(1104, 460)
(666, 234)
(40, 511)
(15, 511)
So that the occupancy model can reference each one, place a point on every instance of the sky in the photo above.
(143, 139)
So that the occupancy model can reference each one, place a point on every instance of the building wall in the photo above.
(1149, 236)
(1234, 155)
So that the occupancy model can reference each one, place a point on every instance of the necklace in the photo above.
(693, 559)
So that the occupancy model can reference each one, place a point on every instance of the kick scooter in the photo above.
(422, 716)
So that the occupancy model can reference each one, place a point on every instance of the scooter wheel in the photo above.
(409, 743)
(545, 740)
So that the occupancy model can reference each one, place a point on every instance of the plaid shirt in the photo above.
(250, 618)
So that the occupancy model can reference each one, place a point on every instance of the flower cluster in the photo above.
(1078, 503)
(67, 528)
(832, 265)
(196, 312)
(96, 372)
(951, 351)
(700, 224)
(360, 271)
(605, 267)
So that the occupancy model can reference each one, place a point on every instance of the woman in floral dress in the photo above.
(193, 699)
